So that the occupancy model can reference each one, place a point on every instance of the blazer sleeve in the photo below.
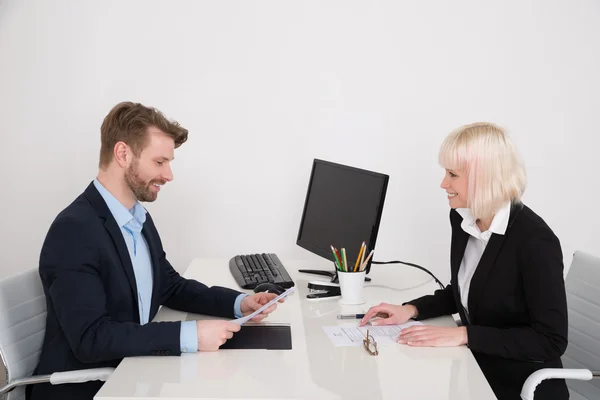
(192, 296)
(70, 268)
(441, 302)
(545, 338)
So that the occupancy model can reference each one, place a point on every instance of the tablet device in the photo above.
(265, 337)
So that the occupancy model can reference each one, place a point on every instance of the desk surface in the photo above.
(314, 369)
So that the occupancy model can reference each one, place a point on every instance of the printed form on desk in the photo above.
(353, 335)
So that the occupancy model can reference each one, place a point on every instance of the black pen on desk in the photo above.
(351, 316)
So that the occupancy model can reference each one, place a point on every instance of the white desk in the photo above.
(314, 369)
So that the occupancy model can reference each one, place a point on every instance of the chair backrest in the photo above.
(583, 300)
(22, 326)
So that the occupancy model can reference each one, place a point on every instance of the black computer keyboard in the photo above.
(253, 269)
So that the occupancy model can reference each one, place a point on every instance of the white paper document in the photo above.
(353, 335)
(243, 320)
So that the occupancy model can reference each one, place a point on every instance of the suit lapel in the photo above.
(113, 229)
(458, 243)
(485, 266)
(117, 236)
(457, 249)
(148, 232)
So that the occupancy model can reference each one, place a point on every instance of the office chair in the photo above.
(583, 352)
(22, 328)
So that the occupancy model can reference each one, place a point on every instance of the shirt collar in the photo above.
(121, 214)
(500, 221)
(498, 225)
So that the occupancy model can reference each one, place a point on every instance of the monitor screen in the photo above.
(343, 208)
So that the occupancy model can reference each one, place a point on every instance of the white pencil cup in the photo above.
(351, 286)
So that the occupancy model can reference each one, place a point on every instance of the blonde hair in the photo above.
(495, 171)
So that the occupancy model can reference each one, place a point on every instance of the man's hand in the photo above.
(254, 302)
(214, 334)
(433, 336)
(390, 314)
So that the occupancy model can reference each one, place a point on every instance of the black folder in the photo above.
(266, 337)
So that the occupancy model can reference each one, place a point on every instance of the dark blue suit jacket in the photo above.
(91, 295)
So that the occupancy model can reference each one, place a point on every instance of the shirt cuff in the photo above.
(237, 306)
(188, 337)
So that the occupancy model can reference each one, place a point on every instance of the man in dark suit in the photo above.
(104, 270)
(506, 271)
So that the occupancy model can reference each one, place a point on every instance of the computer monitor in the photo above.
(343, 208)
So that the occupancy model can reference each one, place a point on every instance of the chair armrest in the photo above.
(81, 375)
(552, 373)
(78, 376)
(31, 380)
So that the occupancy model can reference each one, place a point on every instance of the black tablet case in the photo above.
(269, 337)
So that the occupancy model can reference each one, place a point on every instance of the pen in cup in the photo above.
(351, 316)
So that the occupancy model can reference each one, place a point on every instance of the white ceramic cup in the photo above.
(351, 286)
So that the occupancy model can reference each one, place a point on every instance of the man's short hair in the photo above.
(128, 122)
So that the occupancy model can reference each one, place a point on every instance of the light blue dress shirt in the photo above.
(131, 223)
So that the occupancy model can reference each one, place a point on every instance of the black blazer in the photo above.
(517, 304)
(91, 296)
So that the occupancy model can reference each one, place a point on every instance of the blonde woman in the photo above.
(506, 270)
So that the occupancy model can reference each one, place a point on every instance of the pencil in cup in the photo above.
(359, 257)
(336, 258)
(364, 263)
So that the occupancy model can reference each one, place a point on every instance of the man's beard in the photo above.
(142, 190)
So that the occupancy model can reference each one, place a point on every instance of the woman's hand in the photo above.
(390, 314)
(433, 336)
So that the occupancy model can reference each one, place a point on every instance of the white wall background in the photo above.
(266, 86)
